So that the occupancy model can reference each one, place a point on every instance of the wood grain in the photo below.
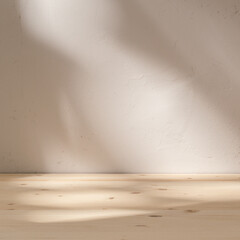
(119, 206)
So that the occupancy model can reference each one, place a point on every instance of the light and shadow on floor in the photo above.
(119, 207)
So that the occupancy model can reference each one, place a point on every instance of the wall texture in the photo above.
(120, 86)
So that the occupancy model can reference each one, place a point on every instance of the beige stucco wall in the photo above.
(120, 86)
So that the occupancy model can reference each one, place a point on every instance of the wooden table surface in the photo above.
(119, 207)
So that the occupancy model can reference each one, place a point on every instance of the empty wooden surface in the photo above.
(119, 207)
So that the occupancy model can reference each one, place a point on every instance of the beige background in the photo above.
(120, 86)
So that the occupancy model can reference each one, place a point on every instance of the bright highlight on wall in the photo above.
(120, 86)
